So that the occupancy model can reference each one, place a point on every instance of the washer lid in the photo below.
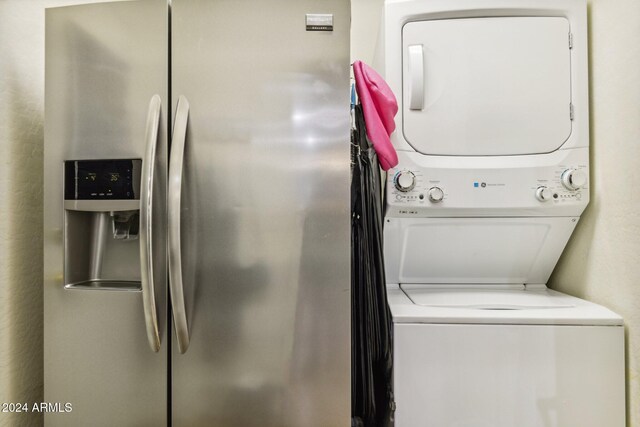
(487, 86)
(559, 309)
(474, 250)
(486, 299)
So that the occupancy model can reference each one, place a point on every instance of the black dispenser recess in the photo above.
(101, 224)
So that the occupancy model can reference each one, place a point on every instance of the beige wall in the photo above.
(21, 148)
(602, 261)
(365, 21)
(21, 116)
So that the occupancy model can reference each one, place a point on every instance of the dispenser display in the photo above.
(102, 179)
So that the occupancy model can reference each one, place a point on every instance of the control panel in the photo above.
(491, 186)
(102, 179)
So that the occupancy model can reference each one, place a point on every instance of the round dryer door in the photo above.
(487, 86)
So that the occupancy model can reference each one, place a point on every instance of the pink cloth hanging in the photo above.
(379, 106)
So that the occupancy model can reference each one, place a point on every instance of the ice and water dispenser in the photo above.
(101, 224)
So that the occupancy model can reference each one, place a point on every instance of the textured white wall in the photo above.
(21, 134)
(602, 261)
(21, 148)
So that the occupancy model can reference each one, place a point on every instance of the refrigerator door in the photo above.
(105, 292)
(264, 213)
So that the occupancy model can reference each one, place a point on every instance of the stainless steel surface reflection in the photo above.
(104, 62)
(176, 167)
(265, 214)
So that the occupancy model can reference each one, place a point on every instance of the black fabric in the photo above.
(371, 325)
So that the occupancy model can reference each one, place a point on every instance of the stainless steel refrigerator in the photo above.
(197, 213)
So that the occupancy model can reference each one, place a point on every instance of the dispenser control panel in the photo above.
(117, 179)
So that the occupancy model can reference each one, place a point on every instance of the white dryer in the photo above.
(493, 142)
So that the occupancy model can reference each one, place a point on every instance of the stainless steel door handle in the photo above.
(146, 224)
(175, 255)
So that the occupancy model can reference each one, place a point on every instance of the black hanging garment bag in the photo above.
(371, 325)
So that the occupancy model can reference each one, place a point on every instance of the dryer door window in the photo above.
(487, 86)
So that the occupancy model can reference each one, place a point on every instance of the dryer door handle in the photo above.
(416, 77)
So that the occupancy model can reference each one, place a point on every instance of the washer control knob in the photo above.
(544, 194)
(436, 194)
(574, 179)
(405, 181)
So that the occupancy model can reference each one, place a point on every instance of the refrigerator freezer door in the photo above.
(104, 65)
(264, 214)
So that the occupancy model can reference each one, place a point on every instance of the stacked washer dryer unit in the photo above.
(493, 140)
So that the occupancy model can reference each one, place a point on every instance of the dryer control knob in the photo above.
(574, 179)
(544, 194)
(436, 194)
(405, 181)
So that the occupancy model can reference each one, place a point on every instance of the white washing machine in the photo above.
(493, 141)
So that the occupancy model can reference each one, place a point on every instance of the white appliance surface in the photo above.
(504, 77)
(493, 305)
(484, 86)
(510, 375)
(493, 142)
(505, 356)
(487, 186)
(516, 298)
(474, 250)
